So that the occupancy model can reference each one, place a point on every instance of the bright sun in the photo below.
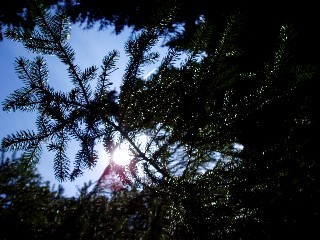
(121, 156)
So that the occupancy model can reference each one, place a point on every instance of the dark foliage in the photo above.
(230, 117)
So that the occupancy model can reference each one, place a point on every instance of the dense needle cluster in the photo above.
(222, 136)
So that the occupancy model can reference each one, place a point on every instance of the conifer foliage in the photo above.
(32, 209)
(61, 115)
(213, 140)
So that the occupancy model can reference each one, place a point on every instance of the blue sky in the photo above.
(90, 47)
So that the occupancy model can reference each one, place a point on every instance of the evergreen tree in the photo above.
(16, 14)
(264, 19)
(29, 209)
(217, 163)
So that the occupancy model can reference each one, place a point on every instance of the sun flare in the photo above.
(121, 156)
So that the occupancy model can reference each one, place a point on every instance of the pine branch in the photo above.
(136, 49)
(20, 140)
(35, 75)
(49, 41)
(86, 157)
(33, 153)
